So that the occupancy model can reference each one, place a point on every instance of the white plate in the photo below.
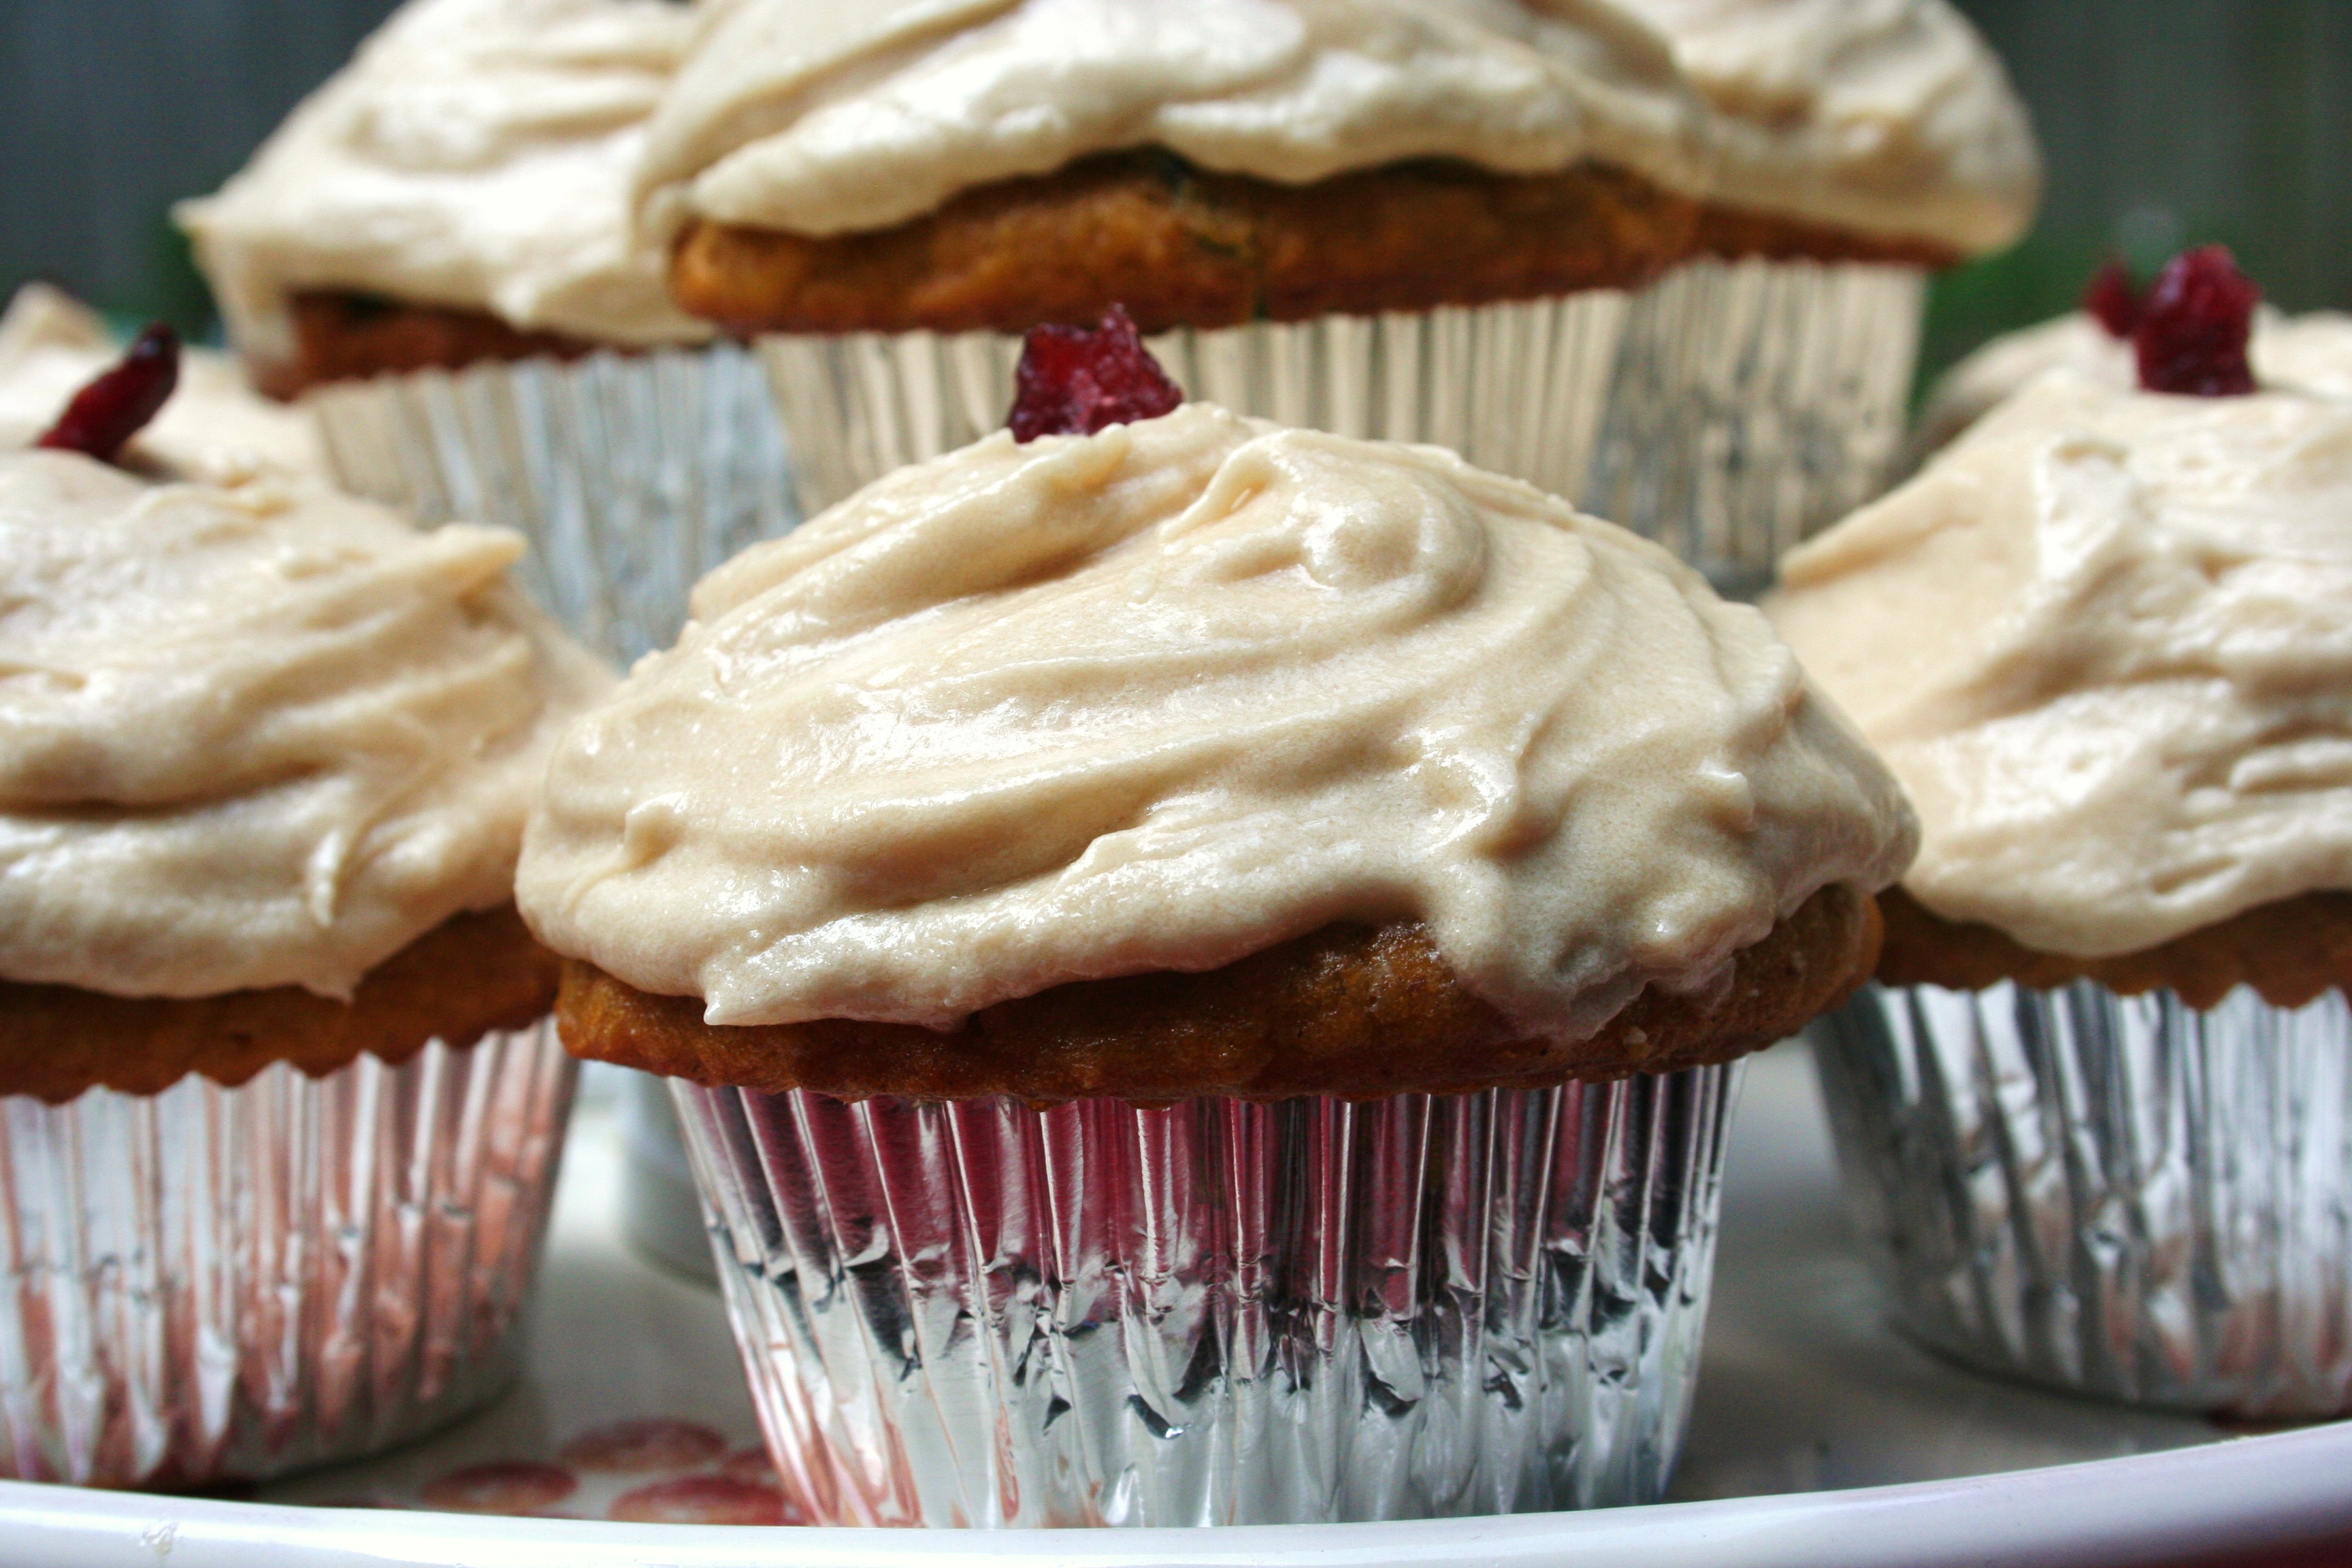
(1819, 1440)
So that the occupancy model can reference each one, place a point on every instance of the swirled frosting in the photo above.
(473, 154)
(1163, 697)
(254, 736)
(215, 427)
(1889, 116)
(2104, 641)
(2309, 354)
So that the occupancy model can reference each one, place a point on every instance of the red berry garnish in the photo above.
(2112, 301)
(1074, 381)
(2193, 329)
(105, 414)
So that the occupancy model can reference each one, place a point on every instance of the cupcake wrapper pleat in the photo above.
(632, 475)
(1217, 1312)
(1514, 387)
(2118, 1195)
(1755, 402)
(217, 1284)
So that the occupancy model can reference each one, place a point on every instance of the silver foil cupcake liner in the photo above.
(984, 1313)
(2118, 1195)
(631, 474)
(1514, 387)
(1754, 403)
(217, 1284)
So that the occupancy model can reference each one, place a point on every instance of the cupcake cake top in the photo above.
(1159, 697)
(820, 120)
(215, 427)
(473, 154)
(2102, 639)
(255, 735)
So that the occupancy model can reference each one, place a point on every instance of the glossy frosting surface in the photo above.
(215, 427)
(1163, 697)
(473, 154)
(1888, 115)
(2105, 641)
(257, 735)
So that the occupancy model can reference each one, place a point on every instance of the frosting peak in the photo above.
(473, 154)
(1889, 116)
(256, 736)
(1165, 695)
(2102, 641)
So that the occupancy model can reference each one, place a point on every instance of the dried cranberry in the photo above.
(105, 414)
(2193, 329)
(2112, 301)
(1074, 381)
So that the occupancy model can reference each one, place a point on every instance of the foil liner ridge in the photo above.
(214, 1283)
(1514, 386)
(2120, 1195)
(1218, 1311)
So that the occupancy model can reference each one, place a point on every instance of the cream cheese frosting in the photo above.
(1162, 697)
(1888, 115)
(215, 427)
(2104, 640)
(2310, 353)
(474, 154)
(254, 736)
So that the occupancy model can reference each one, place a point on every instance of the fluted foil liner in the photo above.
(1755, 402)
(212, 1284)
(1217, 1312)
(2118, 1195)
(1514, 387)
(631, 474)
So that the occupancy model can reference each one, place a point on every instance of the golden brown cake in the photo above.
(467, 976)
(1178, 245)
(1356, 1012)
(343, 335)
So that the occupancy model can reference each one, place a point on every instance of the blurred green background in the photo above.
(2166, 122)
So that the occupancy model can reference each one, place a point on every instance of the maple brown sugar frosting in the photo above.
(2101, 640)
(1075, 750)
(258, 745)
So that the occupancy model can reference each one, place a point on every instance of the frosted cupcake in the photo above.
(1398, 220)
(456, 197)
(2097, 1117)
(1232, 938)
(1382, 219)
(264, 755)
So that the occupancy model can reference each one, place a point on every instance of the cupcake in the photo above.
(2093, 1115)
(454, 201)
(2310, 353)
(1382, 218)
(215, 427)
(280, 1103)
(1200, 962)
(1407, 221)
(1761, 390)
